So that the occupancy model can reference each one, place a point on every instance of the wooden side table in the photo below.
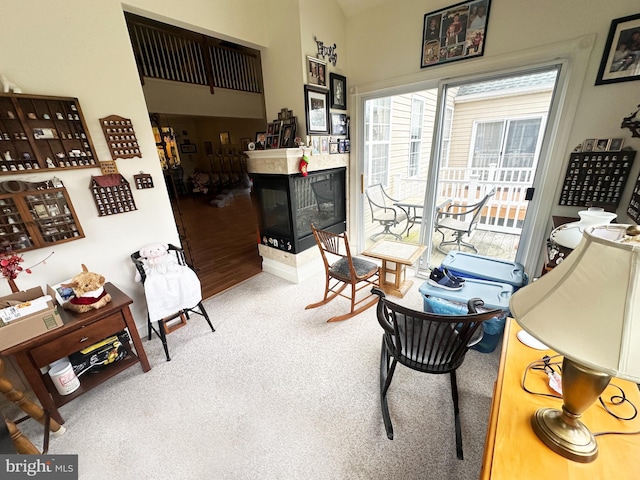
(512, 449)
(395, 257)
(77, 332)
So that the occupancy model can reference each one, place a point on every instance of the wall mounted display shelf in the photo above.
(38, 132)
(596, 178)
(120, 136)
(36, 215)
(112, 194)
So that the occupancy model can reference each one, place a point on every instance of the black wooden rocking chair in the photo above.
(428, 343)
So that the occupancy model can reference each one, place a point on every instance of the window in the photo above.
(506, 143)
(415, 142)
(377, 139)
(446, 136)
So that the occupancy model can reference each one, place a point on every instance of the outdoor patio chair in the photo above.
(384, 212)
(460, 219)
(342, 271)
(428, 343)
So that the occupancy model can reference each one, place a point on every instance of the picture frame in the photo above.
(588, 144)
(316, 104)
(615, 145)
(458, 32)
(324, 145)
(288, 134)
(333, 147)
(316, 72)
(315, 145)
(338, 124)
(338, 89)
(261, 141)
(224, 138)
(601, 145)
(188, 148)
(621, 57)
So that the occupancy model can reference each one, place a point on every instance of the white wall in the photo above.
(81, 49)
(384, 48)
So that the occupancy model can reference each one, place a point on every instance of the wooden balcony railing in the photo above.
(506, 209)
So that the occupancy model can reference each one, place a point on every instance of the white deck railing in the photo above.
(505, 210)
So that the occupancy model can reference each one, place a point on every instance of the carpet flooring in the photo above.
(276, 393)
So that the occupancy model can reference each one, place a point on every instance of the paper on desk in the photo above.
(15, 312)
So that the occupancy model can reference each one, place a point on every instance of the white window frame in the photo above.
(415, 144)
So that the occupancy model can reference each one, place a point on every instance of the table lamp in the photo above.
(587, 309)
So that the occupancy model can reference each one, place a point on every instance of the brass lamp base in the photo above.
(574, 441)
(562, 431)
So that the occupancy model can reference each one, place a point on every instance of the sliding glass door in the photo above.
(458, 143)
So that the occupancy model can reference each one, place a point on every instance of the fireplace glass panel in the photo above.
(289, 204)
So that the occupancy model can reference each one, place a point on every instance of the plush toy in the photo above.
(156, 259)
(89, 291)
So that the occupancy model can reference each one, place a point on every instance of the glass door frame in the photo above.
(572, 56)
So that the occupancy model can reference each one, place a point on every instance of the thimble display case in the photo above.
(43, 132)
(36, 215)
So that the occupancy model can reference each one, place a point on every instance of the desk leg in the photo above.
(135, 338)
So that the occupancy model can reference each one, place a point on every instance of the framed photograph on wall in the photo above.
(188, 148)
(601, 145)
(454, 33)
(615, 145)
(338, 124)
(338, 88)
(316, 104)
(316, 72)
(588, 144)
(621, 58)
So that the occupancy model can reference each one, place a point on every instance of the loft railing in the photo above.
(170, 53)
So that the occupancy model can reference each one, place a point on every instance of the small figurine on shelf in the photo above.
(50, 163)
(7, 156)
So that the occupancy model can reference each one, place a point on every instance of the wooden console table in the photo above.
(78, 331)
(512, 450)
(400, 255)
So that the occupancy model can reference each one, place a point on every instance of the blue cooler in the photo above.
(454, 302)
(469, 265)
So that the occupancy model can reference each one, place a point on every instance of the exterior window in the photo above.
(506, 143)
(377, 139)
(446, 136)
(415, 143)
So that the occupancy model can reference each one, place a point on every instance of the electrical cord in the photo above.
(553, 367)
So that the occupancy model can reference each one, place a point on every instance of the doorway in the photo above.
(458, 143)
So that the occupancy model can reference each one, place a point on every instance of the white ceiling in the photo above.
(353, 7)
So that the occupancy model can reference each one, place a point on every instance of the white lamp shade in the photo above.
(588, 307)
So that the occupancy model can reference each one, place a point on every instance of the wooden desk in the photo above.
(400, 255)
(78, 331)
(512, 449)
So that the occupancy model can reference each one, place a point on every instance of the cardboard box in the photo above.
(29, 326)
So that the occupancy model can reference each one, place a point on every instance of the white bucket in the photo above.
(63, 377)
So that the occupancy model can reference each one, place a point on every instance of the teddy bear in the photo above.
(156, 259)
(89, 291)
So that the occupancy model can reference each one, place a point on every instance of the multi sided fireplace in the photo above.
(287, 205)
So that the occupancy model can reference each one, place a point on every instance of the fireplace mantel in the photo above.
(286, 161)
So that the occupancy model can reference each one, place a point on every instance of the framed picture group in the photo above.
(454, 33)
(602, 145)
(279, 134)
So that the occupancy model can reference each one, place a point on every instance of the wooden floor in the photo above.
(221, 243)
